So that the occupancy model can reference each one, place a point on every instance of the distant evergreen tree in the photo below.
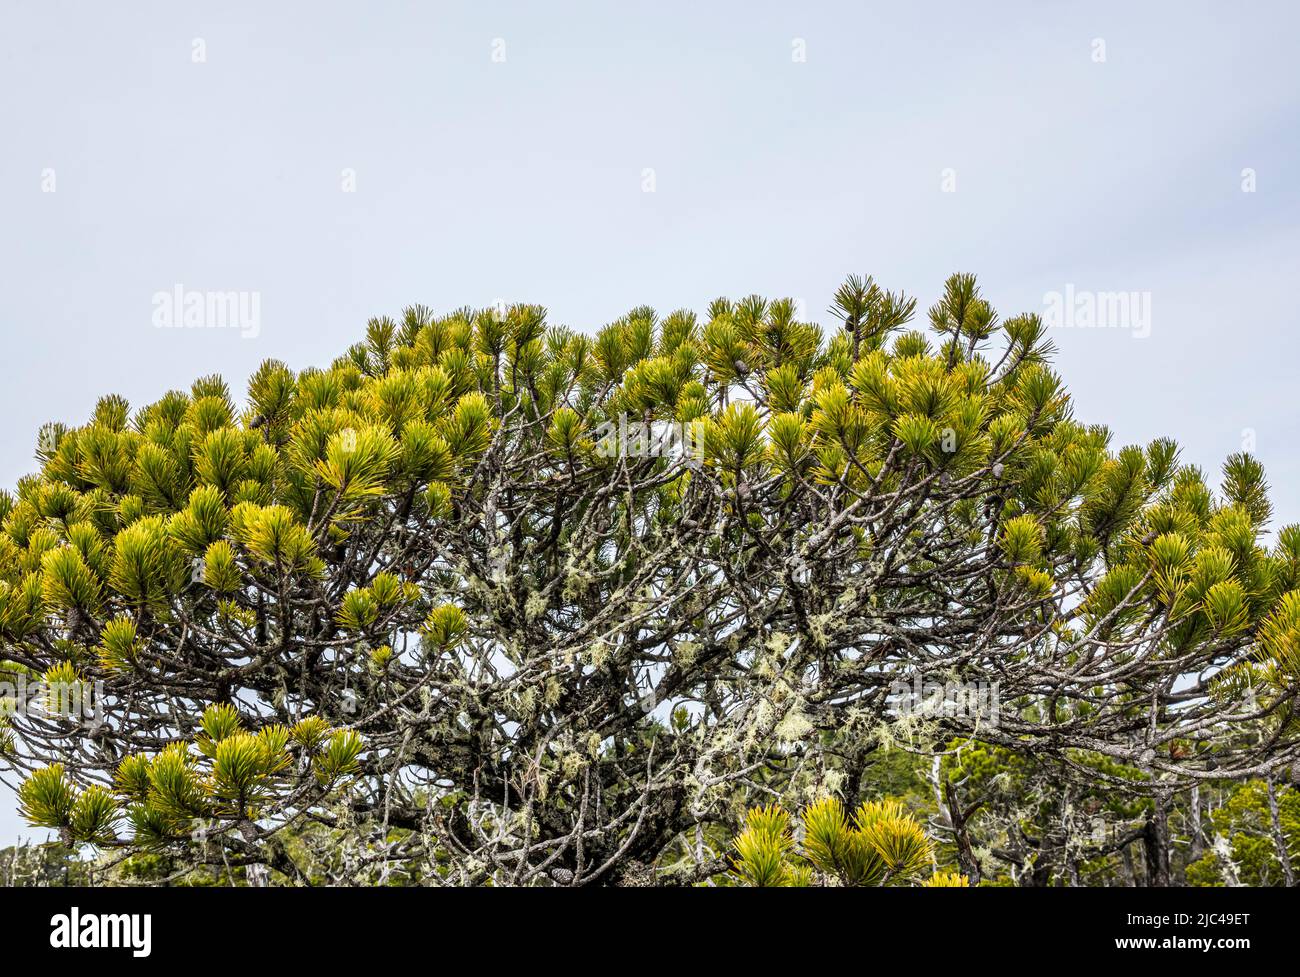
(26, 866)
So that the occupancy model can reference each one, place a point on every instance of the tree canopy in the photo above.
(457, 605)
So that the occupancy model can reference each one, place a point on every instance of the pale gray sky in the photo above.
(478, 178)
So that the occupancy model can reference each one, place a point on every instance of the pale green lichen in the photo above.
(685, 652)
(777, 643)
(795, 726)
(552, 692)
(572, 764)
(535, 606)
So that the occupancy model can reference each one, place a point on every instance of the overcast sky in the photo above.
(337, 161)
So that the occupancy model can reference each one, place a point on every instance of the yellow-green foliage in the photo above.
(225, 774)
(881, 844)
(387, 532)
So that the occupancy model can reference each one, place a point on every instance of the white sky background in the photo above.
(523, 180)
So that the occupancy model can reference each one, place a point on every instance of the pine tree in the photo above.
(500, 601)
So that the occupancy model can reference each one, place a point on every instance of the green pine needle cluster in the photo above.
(880, 844)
